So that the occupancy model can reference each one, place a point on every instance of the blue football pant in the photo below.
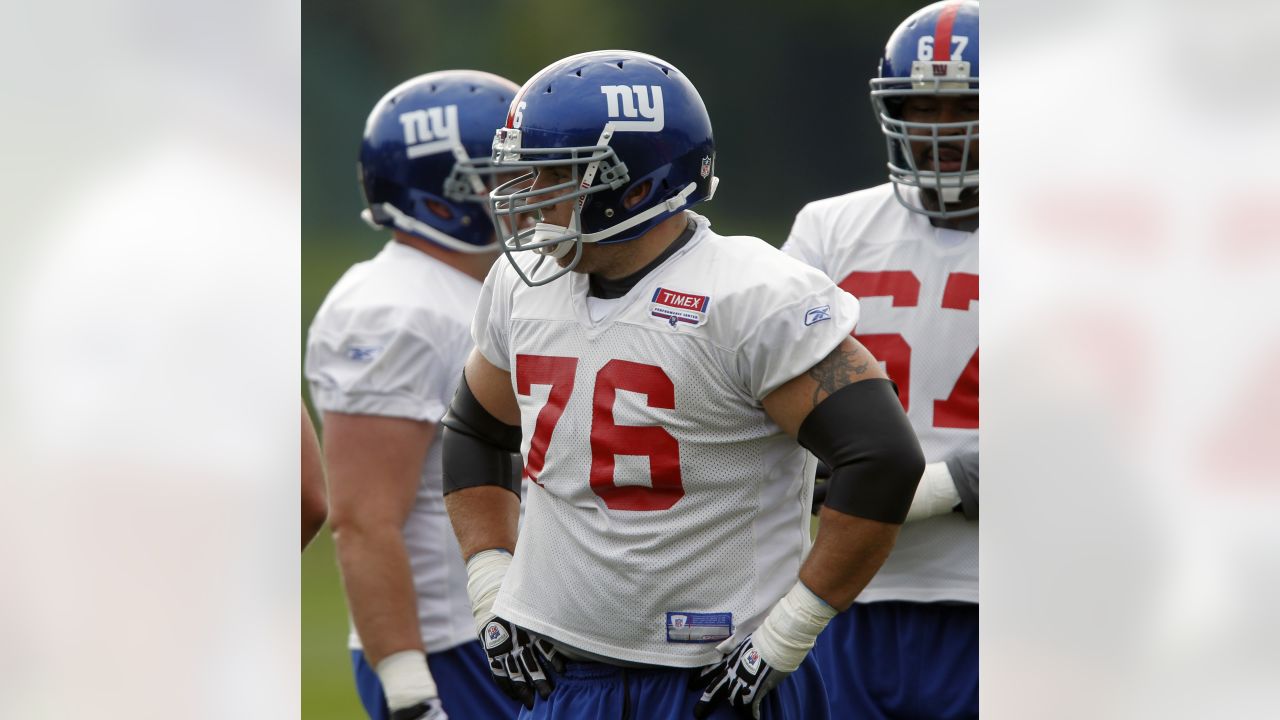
(590, 691)
(901, 661)
(467, 689)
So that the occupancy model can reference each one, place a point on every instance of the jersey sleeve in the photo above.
(396, 362)
(491, 323)
(804, 242)
(803, 329)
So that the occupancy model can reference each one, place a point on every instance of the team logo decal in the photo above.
(678, 307)
(494, 635)
(817, 315)
(430, 131)
(629, 101)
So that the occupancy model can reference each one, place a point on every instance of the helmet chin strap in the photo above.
(543, 232)
(410, 224)
(948, 188)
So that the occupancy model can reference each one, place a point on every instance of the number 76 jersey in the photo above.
(666, 511)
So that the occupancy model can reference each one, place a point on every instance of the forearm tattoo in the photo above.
(835, 371)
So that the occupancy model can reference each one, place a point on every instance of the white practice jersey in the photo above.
(918, 287)
(669, 510)
(391, 339)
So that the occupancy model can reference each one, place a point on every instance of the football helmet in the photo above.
(427, 143)
(616, 119)
(933, 52)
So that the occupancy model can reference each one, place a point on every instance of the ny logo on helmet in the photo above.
(430, 131)
(632, 101)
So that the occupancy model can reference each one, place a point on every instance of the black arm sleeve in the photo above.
(964, 471)
(477, 447)
(863, 435)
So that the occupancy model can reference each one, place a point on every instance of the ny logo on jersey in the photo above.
(628, 101)
(430, 131)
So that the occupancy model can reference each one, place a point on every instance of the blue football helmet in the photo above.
(933, 52)
(618, 119)
(427, 142)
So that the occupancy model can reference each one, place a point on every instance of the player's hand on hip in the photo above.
(429, 709)
(741, 681)
(517, 659)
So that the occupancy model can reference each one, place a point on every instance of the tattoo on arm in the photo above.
(834, 371)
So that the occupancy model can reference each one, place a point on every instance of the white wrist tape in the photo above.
(935, 495)
(405, 679)
(791, 628)
(485, 571)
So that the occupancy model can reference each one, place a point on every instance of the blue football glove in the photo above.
(429, 709)
(515, 659)
(741, 681)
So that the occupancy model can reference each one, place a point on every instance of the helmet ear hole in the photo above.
(438, 209)
(637, 194)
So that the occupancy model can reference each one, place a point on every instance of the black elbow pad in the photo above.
(863, 435)
(476, 447)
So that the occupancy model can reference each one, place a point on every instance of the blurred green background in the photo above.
(785, 84)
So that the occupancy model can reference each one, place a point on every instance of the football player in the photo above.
(384, 355)
(656, 377)
(908, 250)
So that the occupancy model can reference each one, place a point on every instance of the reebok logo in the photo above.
(363, 353)
(429, 131)
(629, 101)
(817, 315)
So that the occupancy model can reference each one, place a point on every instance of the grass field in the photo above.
(328, 692)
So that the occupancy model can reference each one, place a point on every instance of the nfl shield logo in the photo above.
(678, 620)
(706, 166)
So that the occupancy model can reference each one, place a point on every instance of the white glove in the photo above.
(767, 656)
(425, 710)
(935, 495)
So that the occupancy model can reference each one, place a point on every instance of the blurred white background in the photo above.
(1130, 408)
(149, 375)
(149, 284)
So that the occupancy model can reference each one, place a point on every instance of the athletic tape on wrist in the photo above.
(485, 571)
(406, 680)
(791, 628)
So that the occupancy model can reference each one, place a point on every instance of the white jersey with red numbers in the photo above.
(669, 511)
(918, 289)
(391, 339)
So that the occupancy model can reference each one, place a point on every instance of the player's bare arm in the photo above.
(844, 410)
(315, 506)
(850, 548)
(485, 516)
(790, 404)
(375, 464)
(482, 431)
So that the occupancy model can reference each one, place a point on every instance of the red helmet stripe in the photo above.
(511, 109)
(942, 33)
